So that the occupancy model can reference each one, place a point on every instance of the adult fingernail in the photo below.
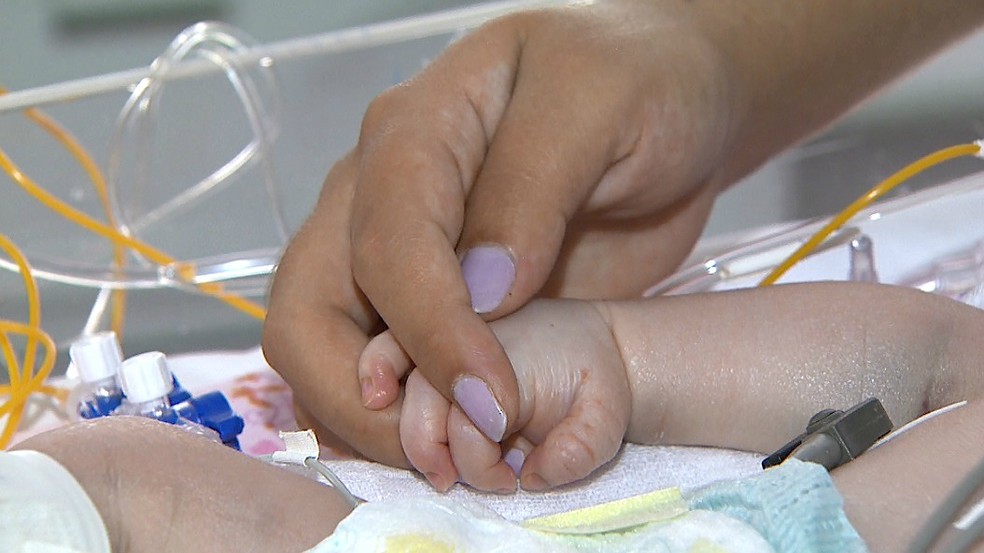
(489, 273)
(515, 458)
(534, 482)
(476, 400)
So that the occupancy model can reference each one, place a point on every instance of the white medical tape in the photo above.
(298, 446)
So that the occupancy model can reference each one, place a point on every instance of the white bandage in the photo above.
(43, 508)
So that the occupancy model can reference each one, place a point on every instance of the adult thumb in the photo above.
(536, 176)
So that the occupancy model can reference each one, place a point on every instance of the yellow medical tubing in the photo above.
(110, 233)
(13, 408)
(10, 359)
(99, 183)
(23, 380)
(34, 381)
(84, 160)
(33, 307)
(864, 201)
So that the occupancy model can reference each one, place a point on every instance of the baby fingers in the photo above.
(423, 432)
(587, 438)
(478, 459)
(381, 366)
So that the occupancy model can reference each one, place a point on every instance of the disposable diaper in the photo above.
(793, 507)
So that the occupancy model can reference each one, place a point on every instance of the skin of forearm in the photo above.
(797, 66)
(889, 492)
(160, 488)
(746, 369)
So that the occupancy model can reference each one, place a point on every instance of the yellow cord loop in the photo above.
(82, 157)
(23, 380)
(864, 201)
(111, 233)
(33, 311)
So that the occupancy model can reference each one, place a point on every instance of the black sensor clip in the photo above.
(834, 437)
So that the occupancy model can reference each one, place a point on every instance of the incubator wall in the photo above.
(312, 102)
(931, 240)
(312, 107)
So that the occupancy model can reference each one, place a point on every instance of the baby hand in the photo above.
(575, 403)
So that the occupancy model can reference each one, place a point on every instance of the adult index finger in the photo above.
(421, 147)
(318, 323)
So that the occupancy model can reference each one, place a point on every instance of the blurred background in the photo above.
(199, 125)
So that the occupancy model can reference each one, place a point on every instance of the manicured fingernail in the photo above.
(367, 391)
(534, 482)
(515, 458)
(489, 273)
(476, 400)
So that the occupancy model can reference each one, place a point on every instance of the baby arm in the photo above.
(159, 488)
(891, 491)
(747, 369)
(743, 369)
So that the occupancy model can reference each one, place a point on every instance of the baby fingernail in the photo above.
(367, 391)
(489, 273)
(534, 482)
(476, 400)
(515, 458)
(506, 490)
(377, 388)
(436, 480)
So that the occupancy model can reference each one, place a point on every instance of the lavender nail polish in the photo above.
(476, 400)
(515, 459)
(489, 273)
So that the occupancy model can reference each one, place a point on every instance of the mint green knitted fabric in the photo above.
(794, 506)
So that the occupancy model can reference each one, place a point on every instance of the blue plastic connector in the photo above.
(212, 410)
(145, 386)
(98, 405)
(178, 394)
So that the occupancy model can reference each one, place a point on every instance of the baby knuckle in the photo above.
(576, 457)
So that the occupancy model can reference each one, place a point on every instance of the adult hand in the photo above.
(560, 152)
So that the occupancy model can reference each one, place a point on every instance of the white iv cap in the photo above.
(96, 356)
(145, 377)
